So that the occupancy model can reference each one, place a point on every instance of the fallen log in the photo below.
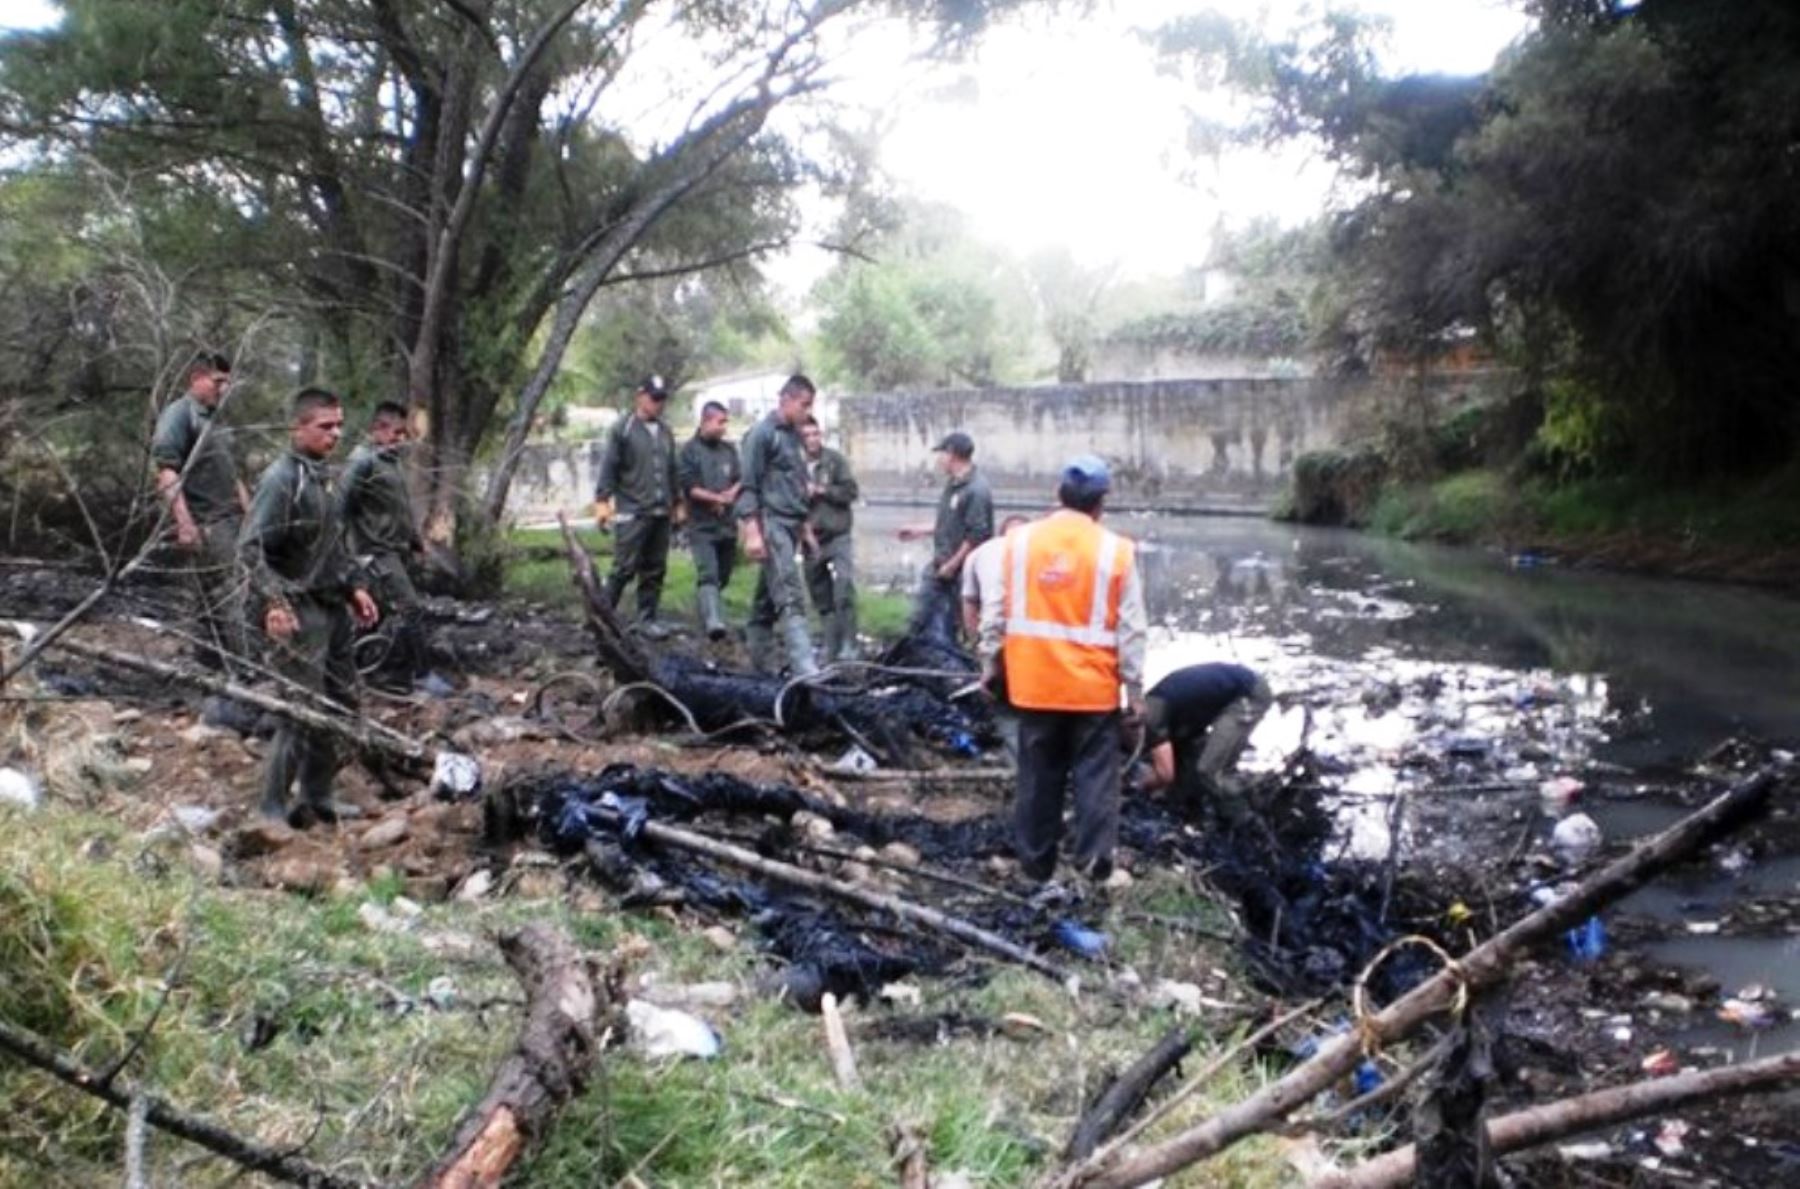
(363, 732)
(550, 1063)
(285, 1166)
(1570, 1116)
(841, 889)
(1481, 967)
(1125, 1093)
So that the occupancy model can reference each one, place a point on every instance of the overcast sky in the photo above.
(1061, 132)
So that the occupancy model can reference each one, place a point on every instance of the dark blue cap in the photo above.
(1087, 474)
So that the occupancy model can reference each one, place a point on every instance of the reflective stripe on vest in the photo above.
(1061, 643)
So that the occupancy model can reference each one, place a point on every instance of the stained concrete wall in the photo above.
(1222, 445)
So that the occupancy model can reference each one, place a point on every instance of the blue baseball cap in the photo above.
(1087, 474)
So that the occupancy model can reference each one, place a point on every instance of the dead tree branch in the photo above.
(556, 1052)
(1481, 967)
(362, 732)
(283, 1166)
(1570, 1116)
(1125, 1093)
(835, 886)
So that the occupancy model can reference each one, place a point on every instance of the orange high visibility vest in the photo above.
(1065, 577)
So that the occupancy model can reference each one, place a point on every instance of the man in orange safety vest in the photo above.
(1072, 643)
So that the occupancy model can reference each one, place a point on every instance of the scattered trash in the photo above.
(855, 760)
(1586, 1150)
(1747, 1013)
(1366, 1078)
(434, 685)
(20, 788)
(905, 994)
(1669, 1137)
(441, 992)
(1587, 941)
(455, 776)
(1072, 935)
(1559, 791)
(667, 1032)
(1576, 838)
(1661, 1064)
(1704, 928)
(1678, 1005)
(1184, 998)
(1735, 860)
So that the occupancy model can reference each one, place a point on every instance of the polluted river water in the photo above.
(1469, 700)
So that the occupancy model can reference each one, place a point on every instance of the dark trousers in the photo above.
(216, 590)
(715, 557)
(781, 587)
(318, 656)
(640, 553)
(937, 610)
(1078, 751)
(396, 650)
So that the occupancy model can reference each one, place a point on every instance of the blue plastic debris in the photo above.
(1366, 1078)
(1587, 941)
(963, 744)
(1073, 935)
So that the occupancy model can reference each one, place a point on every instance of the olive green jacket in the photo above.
(832, 514)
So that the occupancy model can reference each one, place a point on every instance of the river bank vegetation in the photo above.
(1598, 214)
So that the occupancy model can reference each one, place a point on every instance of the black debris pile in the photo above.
(884, 713)
(1311, 922)
(822, 948)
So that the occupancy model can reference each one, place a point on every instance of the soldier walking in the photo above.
(377, 516)
(306, 593)
(637, 497)
(772, 510)
(198, 482)
(711, 478)
(831, 552)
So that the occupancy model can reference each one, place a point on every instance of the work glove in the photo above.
(603, 515)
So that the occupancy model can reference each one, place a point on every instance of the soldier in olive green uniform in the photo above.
(198, 481)
(965, 518)
(831, 562)
(637, 496)
(711, 479)
(305, 592)
(383, 536)
(772, 511)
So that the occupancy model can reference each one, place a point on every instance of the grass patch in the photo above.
(284, 1018)
(1763, 512)
(1460, 508)
(1485, 505)
(532, 572)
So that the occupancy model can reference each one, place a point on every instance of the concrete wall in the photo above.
(552, 477)
(1223, 445)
